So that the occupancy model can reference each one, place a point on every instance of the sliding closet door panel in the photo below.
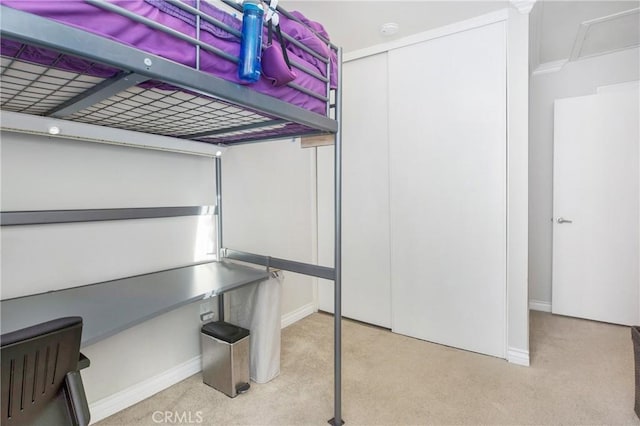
(324, 173)
(366, 285)
(448, 189)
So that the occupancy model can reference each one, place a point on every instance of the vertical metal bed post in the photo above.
(198, 35)
(219, 228)
(337, 287)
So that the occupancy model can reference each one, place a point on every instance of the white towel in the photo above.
(257, 307)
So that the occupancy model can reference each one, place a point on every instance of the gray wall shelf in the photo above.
(112, 306)
(43, 217)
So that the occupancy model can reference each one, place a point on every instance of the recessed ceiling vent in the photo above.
(607, 34)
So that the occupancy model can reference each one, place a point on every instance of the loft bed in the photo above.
(164, 68)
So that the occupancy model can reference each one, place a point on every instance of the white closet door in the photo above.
(447, 104)
(366, 285)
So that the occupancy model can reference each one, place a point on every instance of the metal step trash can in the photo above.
(225, 357)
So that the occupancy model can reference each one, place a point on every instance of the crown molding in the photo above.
(549, 67)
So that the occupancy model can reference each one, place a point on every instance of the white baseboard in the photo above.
(110, 405)
(297, 315)
(539, 305)
(518, 356)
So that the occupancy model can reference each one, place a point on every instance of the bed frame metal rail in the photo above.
(277, 263)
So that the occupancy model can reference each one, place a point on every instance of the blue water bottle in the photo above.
(251, 41)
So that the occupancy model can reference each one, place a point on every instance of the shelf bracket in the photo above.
(116, 84)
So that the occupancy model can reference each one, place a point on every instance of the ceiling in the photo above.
(355, 25)
(560, 30)
(588, 27)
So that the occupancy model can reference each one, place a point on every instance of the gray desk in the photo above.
(112, 306)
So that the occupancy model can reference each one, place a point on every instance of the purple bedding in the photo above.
(98, 21)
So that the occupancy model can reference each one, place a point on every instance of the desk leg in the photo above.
(221, 307)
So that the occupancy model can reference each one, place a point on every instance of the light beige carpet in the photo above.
(582, 373)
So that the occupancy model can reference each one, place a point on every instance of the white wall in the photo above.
(40, 173)
(573, 79)
(269, 189)
(517, 182)
(269, 208)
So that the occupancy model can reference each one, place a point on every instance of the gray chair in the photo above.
(41, 383)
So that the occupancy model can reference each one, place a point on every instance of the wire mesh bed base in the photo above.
(37, 89)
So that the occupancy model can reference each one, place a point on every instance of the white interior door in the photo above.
(447, 104)
(366, 287)
(595, 207)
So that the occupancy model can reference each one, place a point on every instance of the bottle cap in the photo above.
(256, 3)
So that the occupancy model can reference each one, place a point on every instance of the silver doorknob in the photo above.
(562, 220)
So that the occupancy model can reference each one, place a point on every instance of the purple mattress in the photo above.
(79, 14)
